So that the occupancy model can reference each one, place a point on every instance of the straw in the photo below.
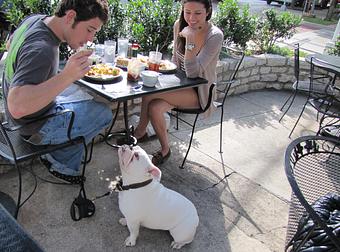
(157, 49)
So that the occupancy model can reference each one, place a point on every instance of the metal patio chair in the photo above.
(195, 112)
(239, 56)
(301, 85)
(315, 93)
(312, 166)
(15, 149)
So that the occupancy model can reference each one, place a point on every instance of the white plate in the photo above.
(104, 77)
(170, 67)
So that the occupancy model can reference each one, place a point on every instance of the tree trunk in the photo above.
(331, 9)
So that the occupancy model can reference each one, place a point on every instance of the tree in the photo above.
(331, 9)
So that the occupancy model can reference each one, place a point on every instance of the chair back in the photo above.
(297, 61)
(312, 166)
(239, 55)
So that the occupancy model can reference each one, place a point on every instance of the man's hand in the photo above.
(77, 65)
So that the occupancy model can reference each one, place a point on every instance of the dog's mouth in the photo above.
(126, 155)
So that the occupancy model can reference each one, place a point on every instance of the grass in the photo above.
(316, 20)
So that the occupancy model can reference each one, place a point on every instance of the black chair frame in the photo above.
(300, 168)
(15, 149)
(227, 87)
(313, 95)
(196, 112)
(296, 85)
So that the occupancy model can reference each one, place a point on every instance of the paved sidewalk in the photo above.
(241, 195)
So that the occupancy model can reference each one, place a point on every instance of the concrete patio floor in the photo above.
(245, 211)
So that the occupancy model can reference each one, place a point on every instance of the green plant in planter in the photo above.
(116, 25)
(151, 22)
(237, 25)
(16, 10)
(273, 27)
(336, 49)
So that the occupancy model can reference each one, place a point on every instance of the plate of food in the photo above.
(167, 66)
(122, 62)
(103, 73)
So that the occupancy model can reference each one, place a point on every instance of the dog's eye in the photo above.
(137, 155)
(131, 147)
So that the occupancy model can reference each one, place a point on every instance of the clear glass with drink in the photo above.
(109, 51)
(123, 47)
(154, 60)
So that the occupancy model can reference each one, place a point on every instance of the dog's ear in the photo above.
(155, 172)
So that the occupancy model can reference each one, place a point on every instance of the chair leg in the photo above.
(221, 128)
(290, 104)
(284, 104)
(19, 191)
(192, 135)
(176, 120)
(303, 109)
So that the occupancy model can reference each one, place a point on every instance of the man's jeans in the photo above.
(90, 118)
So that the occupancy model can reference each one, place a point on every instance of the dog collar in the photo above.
(120, 187)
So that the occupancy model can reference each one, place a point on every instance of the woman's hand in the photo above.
(188, 33)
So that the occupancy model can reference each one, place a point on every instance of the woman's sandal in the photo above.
(74, 180)
(157, 158)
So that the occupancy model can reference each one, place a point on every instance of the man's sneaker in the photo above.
(68, 178)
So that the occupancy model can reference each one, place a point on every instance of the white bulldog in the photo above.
(153, 205)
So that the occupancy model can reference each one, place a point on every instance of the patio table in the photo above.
(327, 62)
(122, 90)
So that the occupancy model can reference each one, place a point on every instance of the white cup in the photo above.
(109, 51)
(123, 44)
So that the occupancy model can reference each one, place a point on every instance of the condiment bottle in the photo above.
(134, 49)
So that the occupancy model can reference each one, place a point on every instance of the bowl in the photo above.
(149, 78)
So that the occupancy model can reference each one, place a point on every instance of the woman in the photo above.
(197, 44)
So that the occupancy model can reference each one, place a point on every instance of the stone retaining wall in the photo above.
(260, 71)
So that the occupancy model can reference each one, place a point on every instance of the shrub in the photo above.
(238, 26)
(151, 22)
(336, 49)
(273, 27)
(16, 10)
(116, 25)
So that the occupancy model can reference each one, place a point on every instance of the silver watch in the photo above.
(190, 46)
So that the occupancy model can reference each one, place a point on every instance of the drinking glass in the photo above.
(99, 50)
(154, 60)
(109, 51)
(123, 47)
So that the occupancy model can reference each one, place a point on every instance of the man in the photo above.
(32, 85)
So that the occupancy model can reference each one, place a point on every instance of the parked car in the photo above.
(321, 3)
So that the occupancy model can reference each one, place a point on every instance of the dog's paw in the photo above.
(122, 221)
(176, 245)
(129, 242)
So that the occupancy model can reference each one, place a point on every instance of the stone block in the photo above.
(260, 59)
(276, 60)
(265, 69)
(269, 77)
(281, 69)
(249, 62)
(244, 73)
(285, 78)
(255, 71)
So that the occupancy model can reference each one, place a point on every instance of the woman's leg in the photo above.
(157, 107)
(186, 98)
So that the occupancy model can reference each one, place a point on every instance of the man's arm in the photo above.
(28, 99)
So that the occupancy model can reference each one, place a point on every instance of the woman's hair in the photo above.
(85, 9)
(182, 23)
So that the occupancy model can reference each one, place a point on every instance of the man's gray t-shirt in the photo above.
(32, 59)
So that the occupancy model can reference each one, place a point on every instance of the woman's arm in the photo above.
(196, 64)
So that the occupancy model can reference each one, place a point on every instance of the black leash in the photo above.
(117, 186)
